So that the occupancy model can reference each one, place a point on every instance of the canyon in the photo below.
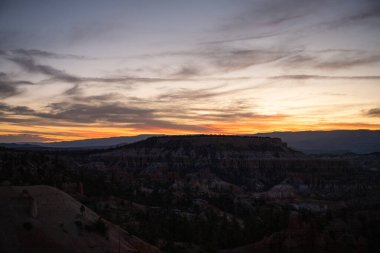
(215, 193)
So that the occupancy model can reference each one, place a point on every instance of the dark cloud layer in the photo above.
(90, 113)
(375, 112)
(26, 61)
(117, 114)
(17, 138)
(8, 87)
(15, 110)
(28, 64)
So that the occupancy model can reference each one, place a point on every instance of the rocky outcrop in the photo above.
(301, 236)
(257, 163)
(279, 192)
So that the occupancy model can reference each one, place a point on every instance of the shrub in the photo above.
(27, 225)
(101, 227)
(79, 224)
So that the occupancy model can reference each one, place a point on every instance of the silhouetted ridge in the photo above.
(215, 142)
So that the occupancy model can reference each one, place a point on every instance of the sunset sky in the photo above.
(79, 69)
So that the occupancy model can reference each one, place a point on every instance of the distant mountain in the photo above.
(96, 143)
(311, 142)
(331, 142)
(21, 146)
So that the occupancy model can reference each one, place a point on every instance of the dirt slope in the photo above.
(44, 219)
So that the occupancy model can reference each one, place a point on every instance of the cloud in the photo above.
(365, 15)
(224, 58)
(348, 61)
(83, 32)
(228, 59)
(136, 113)
(244, 38)
(75, 90)
(22, 138)
(221, 59)
(28, 64)
(8, 87)
(277, 17)
(49, 55)
(115, 113)
(198, 94)
(321, 77)
(90, 113)
(269, 14)
(16, 110)
(106, 113)
(233, 59)
(351, 125)
(167, 125)
(98, 98)
(374, 112)
(188, 71)
(330, 59)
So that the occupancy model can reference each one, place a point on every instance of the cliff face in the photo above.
(245, 142)
(216, 143)
(200, 153)
(254, 163)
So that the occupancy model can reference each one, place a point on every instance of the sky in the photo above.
(79, 69)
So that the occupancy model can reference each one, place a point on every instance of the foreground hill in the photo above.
(45, 219)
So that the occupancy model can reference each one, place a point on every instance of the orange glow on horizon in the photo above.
(55, 133)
